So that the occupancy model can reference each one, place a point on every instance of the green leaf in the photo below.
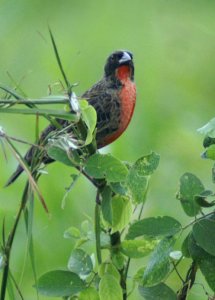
(137, 248)
(59, 283)
(208, 129)
(106, 166)
(89, 294)
(185, 247)
(138, 186)
(121, 212)
(119, 188)
(209, 153)
(138, 176)
(106, 205)
(147, 164)
(190, 186)
(72, 232)
(158, 265)
(205, 261)
(204, 234)
(108, 268)
(154, 227)
(138, 277)
(158, 292)
(109, 288)
(80, 263)
(90, 118)
(207, 267)
(118, 260)
(60, 155)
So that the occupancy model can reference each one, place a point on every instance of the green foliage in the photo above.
(138, 176)
(190, 187)
(105, 166)
(204, 234)
(159, 263)
(123, 187)
(58, 154)
(109, 288)
(89, 294)
(154, 227)
(90, 118)
(157, 292)
(59, 284)
(80, 263)
(137, 248)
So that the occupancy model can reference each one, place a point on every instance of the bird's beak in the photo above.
(125, 58)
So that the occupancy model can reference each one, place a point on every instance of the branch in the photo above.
(189, 281)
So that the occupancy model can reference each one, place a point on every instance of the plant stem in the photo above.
(9, 243)
(189, 281)
(98, 230)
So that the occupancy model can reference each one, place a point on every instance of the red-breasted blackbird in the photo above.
(113, 98)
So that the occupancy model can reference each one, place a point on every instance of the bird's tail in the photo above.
(15, 175)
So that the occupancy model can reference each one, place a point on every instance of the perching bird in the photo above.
(113, 98)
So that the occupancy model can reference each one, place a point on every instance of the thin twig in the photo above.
(189, 281)
(196, 220)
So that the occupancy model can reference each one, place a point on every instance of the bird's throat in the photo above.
(123, 73)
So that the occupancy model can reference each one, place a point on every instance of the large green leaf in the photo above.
(80, 263)
(204, 234)
(121, 212)
(106, 166)
(190, 186)
(158, 292)
(205, 261)
(109, 288)
(158, 265)
(137, 248)
(138, 176)
(59, 283)
(154, 227)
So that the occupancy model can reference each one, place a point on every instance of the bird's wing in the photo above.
(105, 100)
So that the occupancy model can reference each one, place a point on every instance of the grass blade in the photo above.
(32, 181)
(42, 112)
(59, 61)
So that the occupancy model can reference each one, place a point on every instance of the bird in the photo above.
(113, 97)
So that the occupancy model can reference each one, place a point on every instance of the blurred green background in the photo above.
(173, 43)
